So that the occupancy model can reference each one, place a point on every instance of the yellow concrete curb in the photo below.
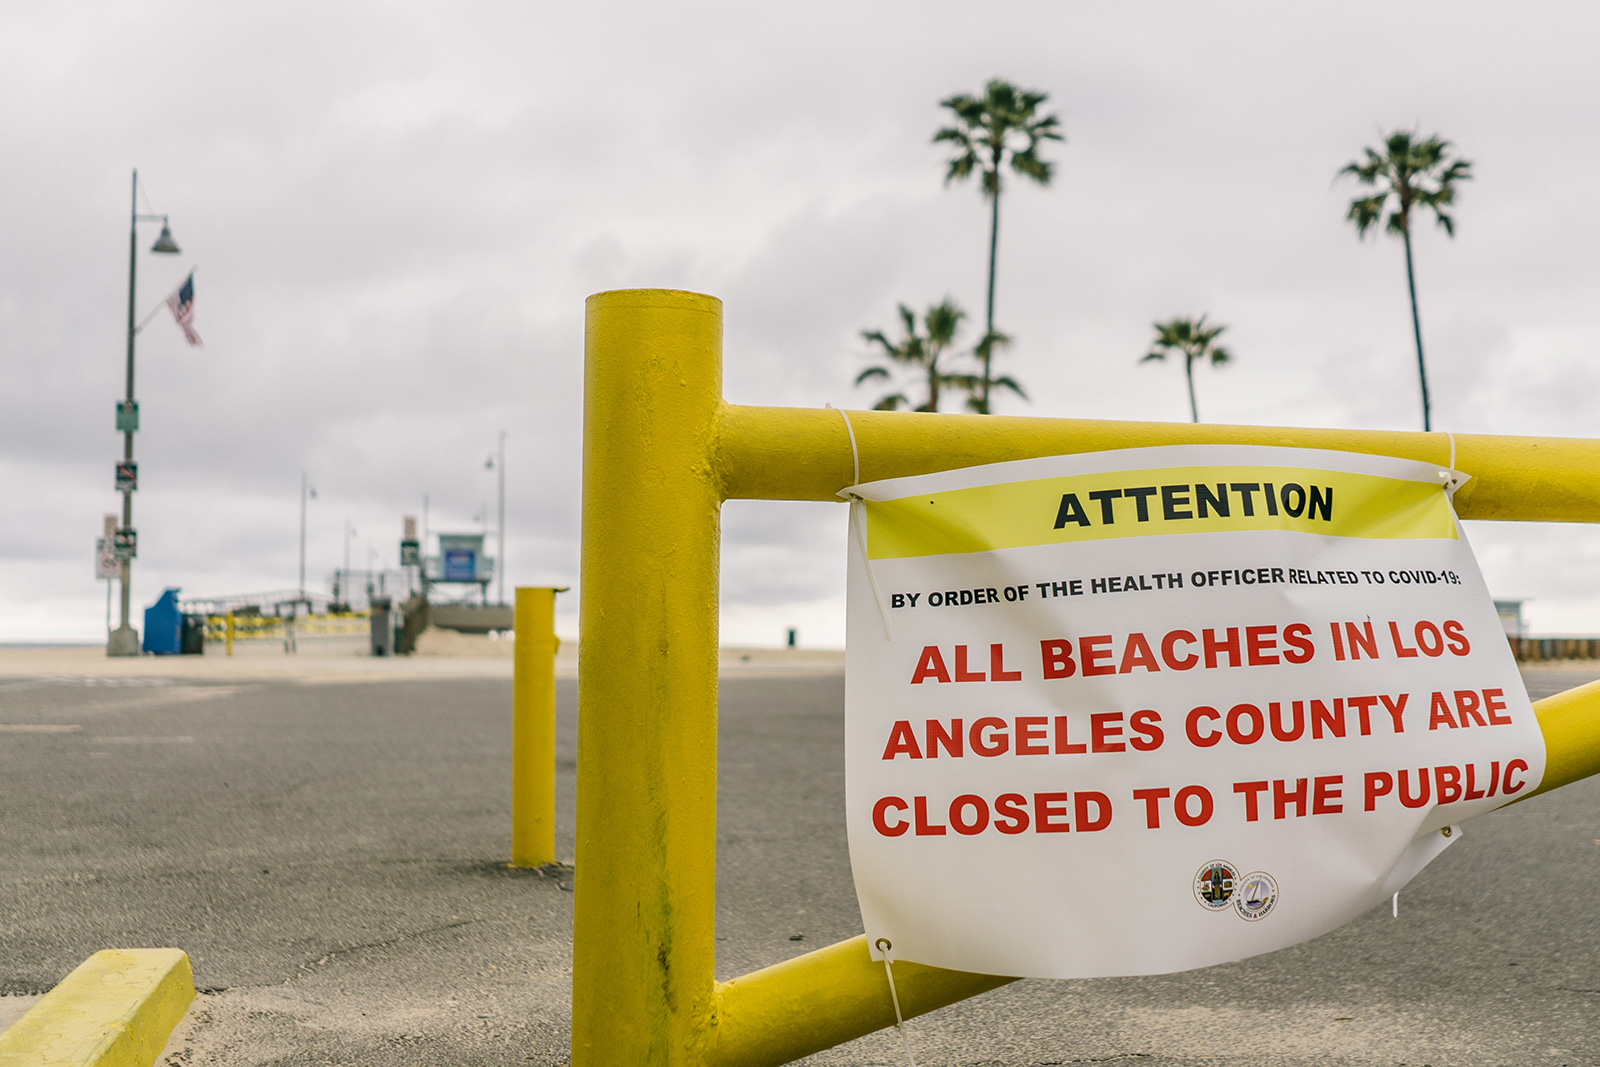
(116, 1010)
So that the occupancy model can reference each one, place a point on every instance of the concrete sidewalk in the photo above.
(442, 655)
(332, 858)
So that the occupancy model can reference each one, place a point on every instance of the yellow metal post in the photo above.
(533, 729)
(230, 633)
(643, 928)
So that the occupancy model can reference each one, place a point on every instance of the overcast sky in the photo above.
(395, 211)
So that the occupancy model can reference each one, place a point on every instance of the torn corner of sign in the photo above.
(1184, 705)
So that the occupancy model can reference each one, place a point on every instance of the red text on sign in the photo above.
(1444, 785)
(1010, 813)
(1178, 650)
(1024, 735)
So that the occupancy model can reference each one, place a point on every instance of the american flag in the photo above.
(182, 304)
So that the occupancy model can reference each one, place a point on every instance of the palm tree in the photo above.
(1001, 124)
(1408, 172)
(921, 352)
(1195, 341)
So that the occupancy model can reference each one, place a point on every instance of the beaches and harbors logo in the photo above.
(1256, 896)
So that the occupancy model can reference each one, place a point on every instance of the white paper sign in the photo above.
(106, 563)
(1141, 711)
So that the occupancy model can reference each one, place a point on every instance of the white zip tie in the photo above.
(855, 456)
(1455, 481)
(884, 945)
(1396, 904)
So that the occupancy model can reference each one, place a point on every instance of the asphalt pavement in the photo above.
(332, 857)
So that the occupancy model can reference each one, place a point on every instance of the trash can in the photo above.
(382, 628)
(163, 626)
(192, 642)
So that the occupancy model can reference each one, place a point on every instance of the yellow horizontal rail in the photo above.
(804, 454)
(838, 993)
(826, 998)
(1570, 722)
(117, 1009)
(272, 627)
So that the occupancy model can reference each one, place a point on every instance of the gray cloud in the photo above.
(397, 210)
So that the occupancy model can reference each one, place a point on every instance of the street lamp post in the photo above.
(124, 640)
(306, 490)
(348, 531)
(498, 462)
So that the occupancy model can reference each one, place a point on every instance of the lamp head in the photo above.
(165, 243)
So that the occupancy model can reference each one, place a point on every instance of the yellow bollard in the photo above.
(643, 985)
(230, 633)
(533, 729)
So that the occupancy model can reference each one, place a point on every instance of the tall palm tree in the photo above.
(920, 352)
(1407, 173)
(1003, 124)
(1195, 341)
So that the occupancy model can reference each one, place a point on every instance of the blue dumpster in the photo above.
(163, 625)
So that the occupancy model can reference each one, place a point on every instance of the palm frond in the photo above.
(1194, 339)
(1366, 212)
(942, 322)
(1029, 164)
(989, 124)
(1005, 381)
(921, 347)
(1412, 170)
(989, 342)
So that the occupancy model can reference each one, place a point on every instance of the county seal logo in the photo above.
(1214, 884)
(1257, 896)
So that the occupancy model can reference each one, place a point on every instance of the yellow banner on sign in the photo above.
(1148, 503)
